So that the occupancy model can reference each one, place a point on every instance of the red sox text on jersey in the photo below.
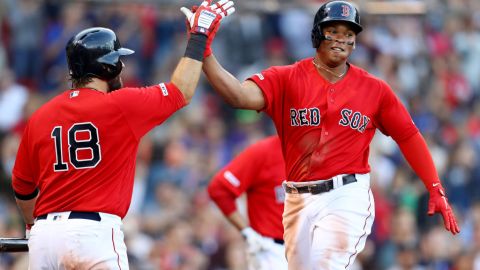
(325, 127)
(311, 117)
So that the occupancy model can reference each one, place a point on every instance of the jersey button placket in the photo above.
(331, 99)
(331, 96)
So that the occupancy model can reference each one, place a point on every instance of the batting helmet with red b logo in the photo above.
(334, 11)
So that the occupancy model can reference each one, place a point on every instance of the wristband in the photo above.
(434, 186)
(28, 226)
(196, 47)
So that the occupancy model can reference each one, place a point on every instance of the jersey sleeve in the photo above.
(23, 180)
(393, 118)
(235, 179)
(145, 108)
(270, 82)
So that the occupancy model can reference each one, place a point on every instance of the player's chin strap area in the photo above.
(320, 186)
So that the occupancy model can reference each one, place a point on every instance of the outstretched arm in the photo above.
(203, 24)
(246, 95)
(416, 152)
(186, 76)
(225, 198)
(237, 220)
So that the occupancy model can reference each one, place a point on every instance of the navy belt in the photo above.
(323, 186)
(78, 215)
(278, 241)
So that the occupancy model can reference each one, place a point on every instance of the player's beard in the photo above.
(115, 84)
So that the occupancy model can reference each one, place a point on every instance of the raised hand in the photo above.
(206, 18)
(438, 203)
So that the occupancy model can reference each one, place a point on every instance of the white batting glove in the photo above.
(255, 242)
(206, 19)
(223, 7)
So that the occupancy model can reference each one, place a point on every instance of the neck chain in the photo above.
(328, 69)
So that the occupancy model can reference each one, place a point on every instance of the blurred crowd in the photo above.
(431, 60)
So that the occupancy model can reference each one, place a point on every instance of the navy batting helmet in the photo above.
(331, 12)
(95, 52)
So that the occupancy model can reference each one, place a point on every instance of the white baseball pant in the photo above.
(57, 242)
(329, 229)
(273, 258)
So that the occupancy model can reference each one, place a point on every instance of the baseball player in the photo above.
(74, 170)
(326, 111)
(259, 172)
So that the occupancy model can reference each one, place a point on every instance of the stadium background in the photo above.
(428, 51)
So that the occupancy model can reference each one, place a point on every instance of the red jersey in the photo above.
(79, 149)
(259, 172)
(326, 128)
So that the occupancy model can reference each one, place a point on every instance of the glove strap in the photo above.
(196, 47)
(437, 189)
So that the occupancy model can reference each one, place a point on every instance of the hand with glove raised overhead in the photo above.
(203, 23)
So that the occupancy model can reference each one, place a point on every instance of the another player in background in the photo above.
(74, 170)
(257, 172)
(326, 112)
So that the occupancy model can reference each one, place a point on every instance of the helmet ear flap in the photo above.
(112, 71)
(76, 70)
(316, 36)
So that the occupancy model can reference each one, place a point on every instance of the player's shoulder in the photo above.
(270, 141)
(268, 151)
(301, 64)
(49, 105)
(268, 144)
(129, 92)
(127, 95)
(368, 78)
(125, 91)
